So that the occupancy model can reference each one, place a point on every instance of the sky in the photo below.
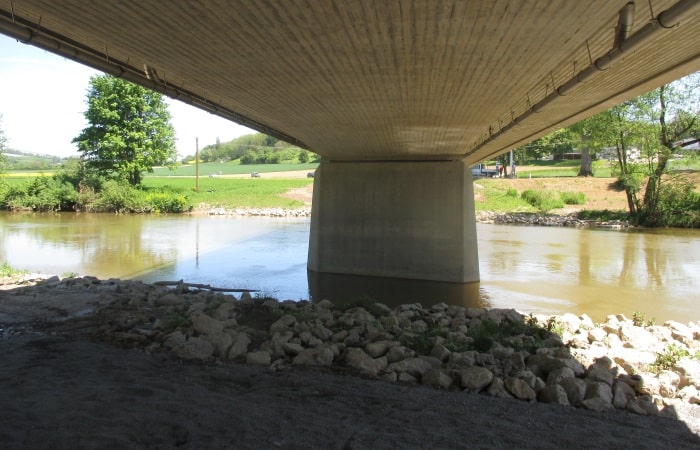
(42, 101)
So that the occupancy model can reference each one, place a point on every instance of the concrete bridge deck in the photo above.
(379, 87)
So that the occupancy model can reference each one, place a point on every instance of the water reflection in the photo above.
(394, 291)
(593, 271)
(533, 269)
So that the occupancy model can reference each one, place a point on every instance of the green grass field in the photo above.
(232, 192)
(229, 168)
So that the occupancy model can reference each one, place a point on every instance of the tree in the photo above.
(129, 130)
(652, 124)
(3, 141)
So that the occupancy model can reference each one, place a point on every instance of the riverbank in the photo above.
(155, 366)
(565, 219)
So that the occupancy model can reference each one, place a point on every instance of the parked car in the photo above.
(255, 175)
(310, 175)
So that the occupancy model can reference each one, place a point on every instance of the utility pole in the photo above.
(196, 164)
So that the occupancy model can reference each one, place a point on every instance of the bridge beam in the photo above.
(412, 220)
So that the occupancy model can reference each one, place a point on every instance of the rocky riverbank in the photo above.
(568, 360)
(562, 220)
(256, 212)
(550, 220)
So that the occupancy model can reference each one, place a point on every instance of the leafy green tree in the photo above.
(129, 130)
(652, 123)
(3, 141)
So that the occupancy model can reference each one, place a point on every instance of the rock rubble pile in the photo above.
(549, 220)
(567, 359)
(260, 212)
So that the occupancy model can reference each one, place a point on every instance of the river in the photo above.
(533, 269)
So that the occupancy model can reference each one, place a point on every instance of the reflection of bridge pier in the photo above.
(411, 220)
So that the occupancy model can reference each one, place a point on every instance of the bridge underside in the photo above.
(397, 97)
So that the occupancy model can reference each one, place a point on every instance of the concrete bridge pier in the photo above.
(395, 219)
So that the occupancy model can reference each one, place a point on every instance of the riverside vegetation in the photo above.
(629, 364)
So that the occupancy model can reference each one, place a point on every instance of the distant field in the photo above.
(233, 192)
(206, 169)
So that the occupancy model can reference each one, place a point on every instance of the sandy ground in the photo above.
(63, 388)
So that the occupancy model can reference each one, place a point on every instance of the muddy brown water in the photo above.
(533, 269)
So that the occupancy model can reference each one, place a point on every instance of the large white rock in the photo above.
(283, 322)
(379, 348)
(239, 346)
(475, 378)
(622, 394)
(575, 389)
(437, 378)
(553, 394)
(259, 358)
(319, 356)
(519, 388)
(358, 359)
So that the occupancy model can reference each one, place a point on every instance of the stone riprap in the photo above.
(567, 359)
(259, 212)
(549, 220)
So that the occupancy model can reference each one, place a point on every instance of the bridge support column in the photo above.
(410, 220)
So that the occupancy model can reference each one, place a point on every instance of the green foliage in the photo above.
(129, 130)
(678, 206)
(168, 202)
(3, 141)
(177, 320)
(526, 335)
(121, 198)
(493, 195)
(573, 198)
(669, 357)
(232, 192)
(639, 320)
(7, 271)
(255, 148)
(228, 168)
(423, 342)
(604, 215)
(542, 200)
(39, 194)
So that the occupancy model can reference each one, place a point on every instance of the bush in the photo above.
(542, 200)
(678, 206)
(40, 194)
(167, 203)
(121, 198)
(573, 198)
(603, 215)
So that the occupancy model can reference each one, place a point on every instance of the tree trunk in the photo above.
(586, 169)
